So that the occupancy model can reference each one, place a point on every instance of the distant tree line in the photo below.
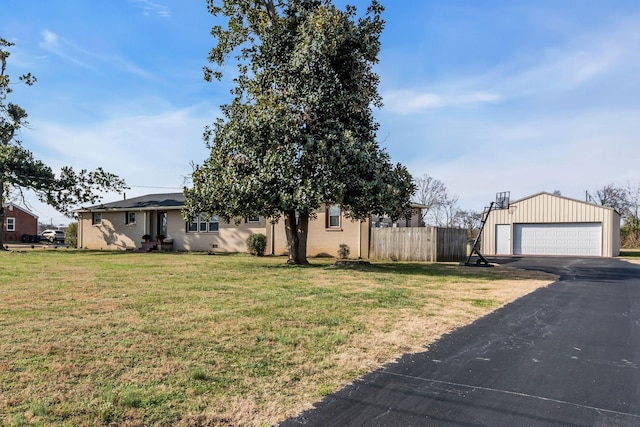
(626, 201)
(442, 207)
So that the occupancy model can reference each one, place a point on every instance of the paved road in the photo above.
(565, 355)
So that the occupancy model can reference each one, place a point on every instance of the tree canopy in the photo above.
(614, 197)
(631, 228)
(20, 170)
(299, 131)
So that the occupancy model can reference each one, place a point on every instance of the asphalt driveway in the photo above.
(564, 355)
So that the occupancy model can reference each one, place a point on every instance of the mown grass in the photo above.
(101, 338)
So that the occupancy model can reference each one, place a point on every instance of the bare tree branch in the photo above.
(430, 192)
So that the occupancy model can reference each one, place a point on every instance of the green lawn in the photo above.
(103, 338)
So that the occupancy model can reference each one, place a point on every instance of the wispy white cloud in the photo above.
(78, 55)
(596, 56)
(555, 108)
(409, 101)
(144, 149)
(122, 64)
(563, 118)
(63, 48)
(150, 144)
(151, 8)
(571, 152)
(22, 58)
(599, 56)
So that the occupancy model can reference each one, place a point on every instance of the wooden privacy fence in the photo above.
(433, 244)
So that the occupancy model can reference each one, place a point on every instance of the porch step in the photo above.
(148, 246)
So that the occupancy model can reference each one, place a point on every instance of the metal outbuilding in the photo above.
(548, 224)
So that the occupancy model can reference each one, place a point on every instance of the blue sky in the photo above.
(487, 96)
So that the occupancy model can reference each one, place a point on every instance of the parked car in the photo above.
(52, 236)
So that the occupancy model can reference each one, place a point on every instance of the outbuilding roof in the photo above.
(561, 197)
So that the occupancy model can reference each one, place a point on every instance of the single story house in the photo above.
(548, 224)
(121, 225)
(18, 222)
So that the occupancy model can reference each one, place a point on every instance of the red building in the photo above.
(18, 222)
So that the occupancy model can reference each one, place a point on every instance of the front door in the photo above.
(162, 224)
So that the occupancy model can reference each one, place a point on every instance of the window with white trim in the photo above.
(96, 218)
(204, 224)
(130, 218)
(11, 224)
(253, 219)
(333, 216)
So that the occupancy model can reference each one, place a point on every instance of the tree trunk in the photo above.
(296, 229)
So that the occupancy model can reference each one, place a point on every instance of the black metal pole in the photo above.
(474, 248)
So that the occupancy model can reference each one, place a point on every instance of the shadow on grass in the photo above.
(630, 253)
(450, 270)
(99, 252)
(409, 268)
(402, 267)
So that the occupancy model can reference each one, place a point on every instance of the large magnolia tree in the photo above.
(299, 131)
(20, 170)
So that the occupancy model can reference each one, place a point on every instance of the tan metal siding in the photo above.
(548, 208)
(615, 221)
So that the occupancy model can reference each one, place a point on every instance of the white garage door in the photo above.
(558, 239)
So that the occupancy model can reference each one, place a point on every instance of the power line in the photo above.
(51, 180)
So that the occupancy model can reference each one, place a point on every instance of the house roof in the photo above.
(561, 197)
(155, 201)
(11, 206)
(148, 202)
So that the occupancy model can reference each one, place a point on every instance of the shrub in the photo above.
(257, 244)
(71, 235)
(343, 251)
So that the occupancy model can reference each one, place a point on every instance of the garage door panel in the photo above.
(583, 239)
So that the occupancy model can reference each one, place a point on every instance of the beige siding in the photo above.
(323, 241)
(229, 238)
(111, 234)
(549, 208)
(114, 234)
(414, 221)
(616, 233)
